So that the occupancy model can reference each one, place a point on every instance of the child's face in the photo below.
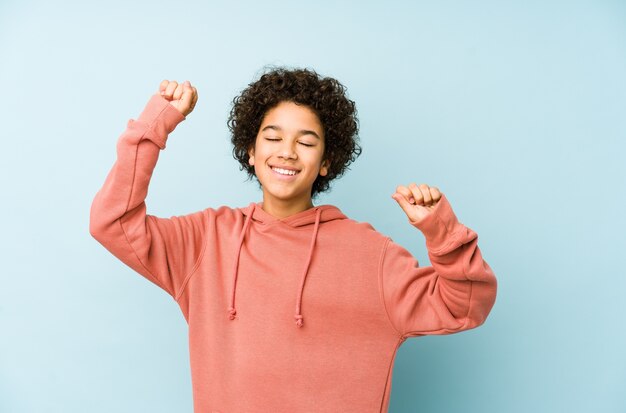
(290, 136)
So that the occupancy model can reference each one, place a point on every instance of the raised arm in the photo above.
(164, 250)
(455, 293)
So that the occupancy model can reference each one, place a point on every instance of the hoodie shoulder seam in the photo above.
(195, 267)
(381, 284)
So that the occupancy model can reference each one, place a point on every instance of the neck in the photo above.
(282, 209)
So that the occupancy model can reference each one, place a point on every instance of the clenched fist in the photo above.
(183, 97)
(417, 201)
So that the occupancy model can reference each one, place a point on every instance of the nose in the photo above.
(287, 151)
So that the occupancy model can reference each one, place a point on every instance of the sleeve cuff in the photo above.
(439, 226)
(161, 118)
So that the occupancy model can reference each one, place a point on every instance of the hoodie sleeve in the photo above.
(455, 293)
(164, 250)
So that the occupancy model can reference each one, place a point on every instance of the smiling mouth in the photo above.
(284, 172)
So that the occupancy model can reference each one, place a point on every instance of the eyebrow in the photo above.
(300, 132)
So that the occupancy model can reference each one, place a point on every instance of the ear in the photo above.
(251, 155)
(324, 167)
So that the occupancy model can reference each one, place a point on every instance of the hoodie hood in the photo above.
(312, 217)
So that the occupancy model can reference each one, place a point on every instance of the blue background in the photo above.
(515, 110)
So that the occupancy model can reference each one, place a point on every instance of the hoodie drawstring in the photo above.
(299, 319)
(231, 310)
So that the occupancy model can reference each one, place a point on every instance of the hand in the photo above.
(183, 97)
(417, 201)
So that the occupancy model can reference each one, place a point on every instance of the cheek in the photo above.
(319, 158)
(259, 153)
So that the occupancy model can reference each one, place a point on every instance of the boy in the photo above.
(238, 273)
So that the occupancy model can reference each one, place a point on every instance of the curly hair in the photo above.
(325, 96)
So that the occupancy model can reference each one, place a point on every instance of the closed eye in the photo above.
(277, 139)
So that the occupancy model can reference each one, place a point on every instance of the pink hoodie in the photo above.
(301, 314)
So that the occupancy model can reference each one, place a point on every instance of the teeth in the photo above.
(284, 171)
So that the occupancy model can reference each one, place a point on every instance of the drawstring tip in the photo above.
(232, 312)
(299, 320)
